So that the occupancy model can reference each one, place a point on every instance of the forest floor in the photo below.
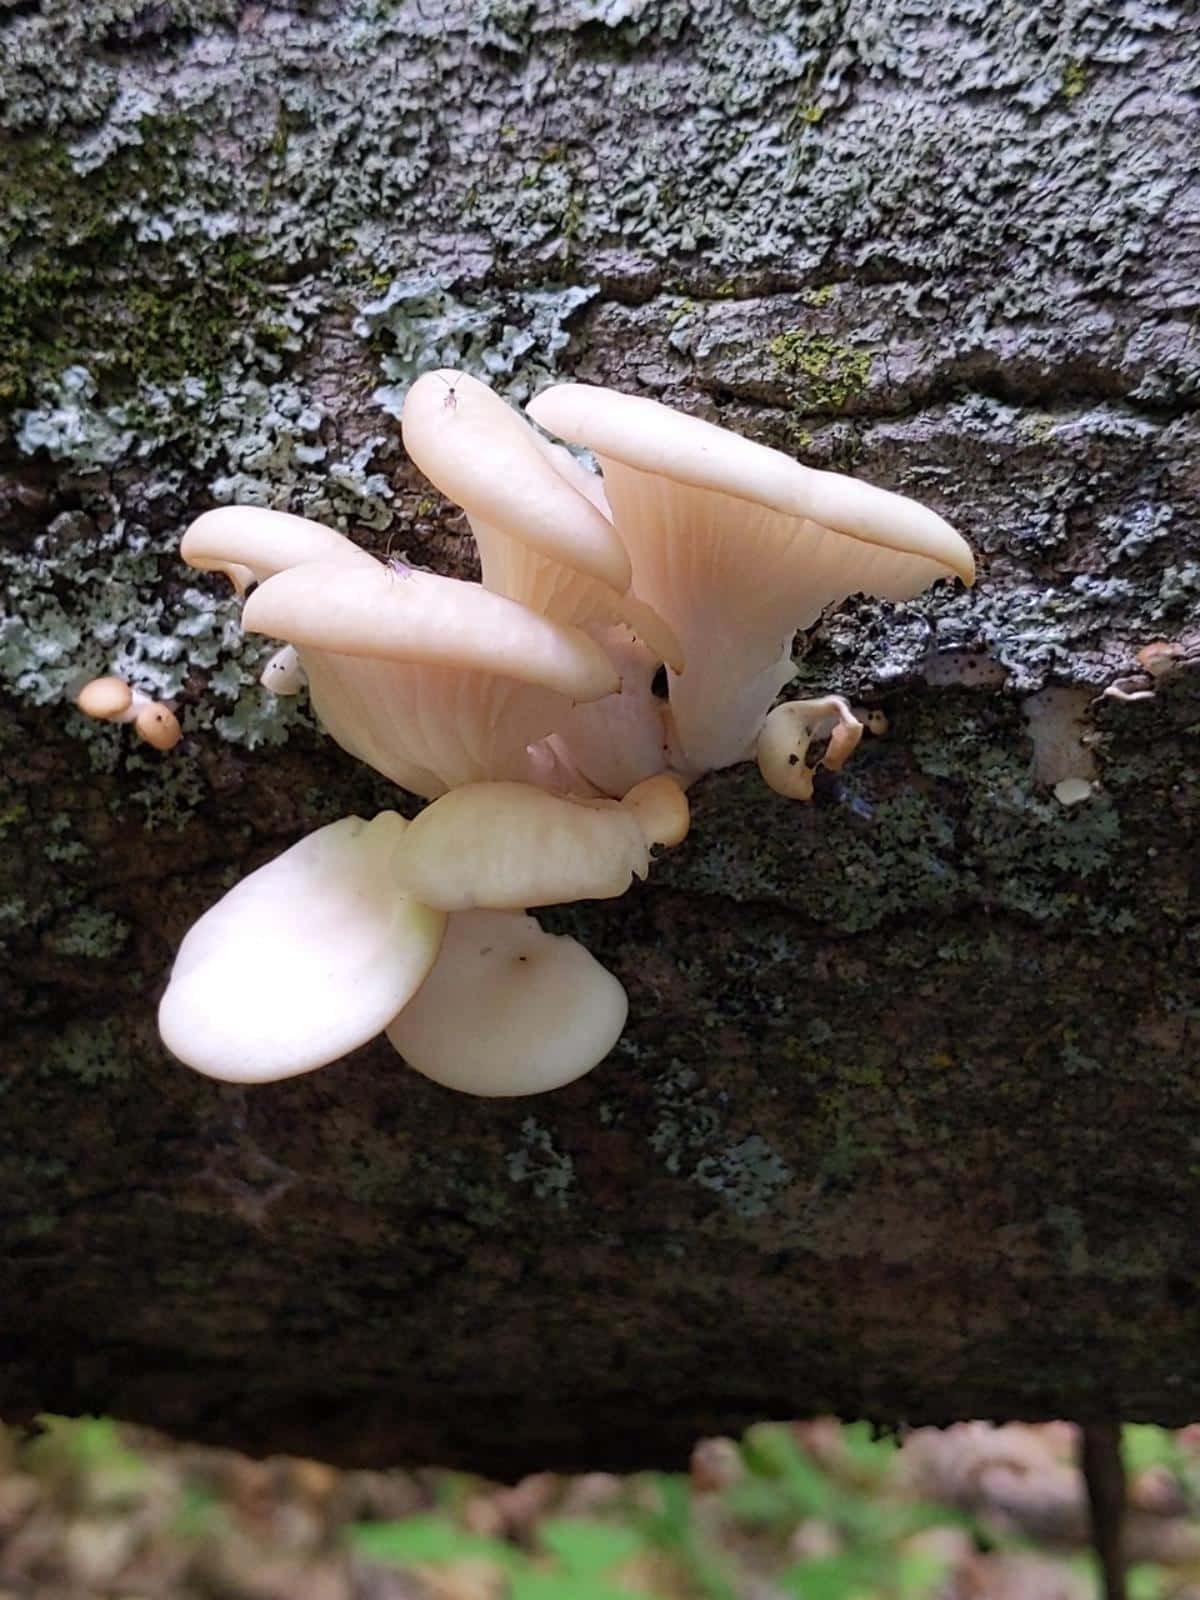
(808, 1511)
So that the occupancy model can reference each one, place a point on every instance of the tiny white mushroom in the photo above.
(509, 1009)
(283, 673)
(1073, 791)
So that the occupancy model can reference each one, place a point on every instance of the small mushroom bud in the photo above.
(106, 698)
(283, 673)
(661, 808)
(1073, 791)
(157, 725)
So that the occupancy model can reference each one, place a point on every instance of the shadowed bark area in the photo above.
(903, 1122)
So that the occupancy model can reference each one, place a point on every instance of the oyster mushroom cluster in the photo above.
(523, 709)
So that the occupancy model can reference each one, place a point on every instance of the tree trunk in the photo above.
(904, 1123)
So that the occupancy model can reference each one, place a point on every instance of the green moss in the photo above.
(823, 374)
(78, 283)
(90, 1052)
(1074, 80)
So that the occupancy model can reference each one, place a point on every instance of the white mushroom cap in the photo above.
(307, 958)
(430, 680)
(509, 1009)
(506, 846)
(250, 543)
(367, 610)
(542, 541)
(283, 673)
(737, 546)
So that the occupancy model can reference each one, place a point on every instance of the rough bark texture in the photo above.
(905, 1121)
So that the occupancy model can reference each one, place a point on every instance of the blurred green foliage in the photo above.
(811, 1512)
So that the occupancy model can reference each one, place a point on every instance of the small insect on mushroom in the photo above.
(450, 403)
(399, 566)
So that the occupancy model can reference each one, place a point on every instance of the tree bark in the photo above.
(904, 1121)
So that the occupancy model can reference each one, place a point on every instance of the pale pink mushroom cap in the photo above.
(305, 959)
(509, 1009)
(542, 540)
(250, 543)
(737, 546)
(432, 681)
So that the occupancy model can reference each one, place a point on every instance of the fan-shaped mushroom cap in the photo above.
(484, 456)
(367, 610)
(509, 1009)
(430, 680)
(542, 541)
(736, 546)
(250, 543)
(506, 846)
(305, 959)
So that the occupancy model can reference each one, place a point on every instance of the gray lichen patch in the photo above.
(748, 1176)
(537, 1161)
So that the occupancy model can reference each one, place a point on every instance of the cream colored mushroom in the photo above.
(509, 1009)
(283, 673)
(432, 681)
(506, 846)
(158, 726)
(782, 747)
(541, 541)
(110, 700)
(250, 543)
(305, 959)
(737, 546)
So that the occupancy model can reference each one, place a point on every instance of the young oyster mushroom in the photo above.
(506, 846)
(789, 730)
(737, 546)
